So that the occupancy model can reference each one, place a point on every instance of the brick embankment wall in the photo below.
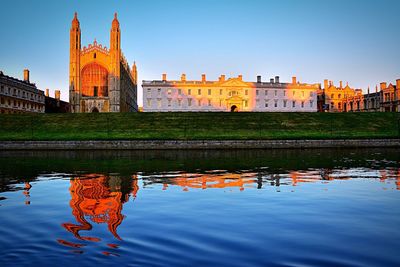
(195, 144)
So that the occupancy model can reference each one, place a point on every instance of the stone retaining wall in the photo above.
(195, 144)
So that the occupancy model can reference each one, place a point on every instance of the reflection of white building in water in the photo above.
(229, 95)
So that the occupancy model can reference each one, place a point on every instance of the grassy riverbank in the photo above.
(219, 126)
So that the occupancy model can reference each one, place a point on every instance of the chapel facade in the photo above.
(100, 79)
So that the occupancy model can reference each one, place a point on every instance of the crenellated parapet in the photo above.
(95, 46)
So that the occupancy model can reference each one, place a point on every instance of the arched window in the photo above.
(94, 81)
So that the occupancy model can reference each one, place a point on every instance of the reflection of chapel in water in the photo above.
(99, 199)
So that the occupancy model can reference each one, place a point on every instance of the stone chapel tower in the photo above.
(115, 53)
(74, 64)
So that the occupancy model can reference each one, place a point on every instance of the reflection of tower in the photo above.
(398, 179)
(27, 187)
(100, 199)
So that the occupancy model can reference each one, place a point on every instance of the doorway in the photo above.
(234, 108)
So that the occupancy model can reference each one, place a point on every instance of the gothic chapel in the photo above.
(100, 79)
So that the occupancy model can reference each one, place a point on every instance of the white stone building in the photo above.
(228, 95)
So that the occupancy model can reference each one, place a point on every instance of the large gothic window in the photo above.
(94, 79)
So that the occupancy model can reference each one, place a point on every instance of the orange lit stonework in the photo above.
(333, 96)
(232, 94)
(100, 78)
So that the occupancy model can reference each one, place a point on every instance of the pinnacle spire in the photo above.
(75, 21)
(115, 22)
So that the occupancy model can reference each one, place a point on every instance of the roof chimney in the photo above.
(258, 79)
(341, 84)
(398, 84)
(26, 75)
(277, 79)
(203, 77)
(183, 77)
(271, 80)
(240, 77)
(326, 84)
(57, 94)
(222, 78)
(164, 77)
(294, 80)
(383, 85)
(47, 92)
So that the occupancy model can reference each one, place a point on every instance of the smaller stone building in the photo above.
(387, 99)
(330, 97)
(55, 105)
(20, 96)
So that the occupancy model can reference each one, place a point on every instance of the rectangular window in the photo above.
(199, 102)
(189, 102)
(246, 92)
(169, 102)
(266, 92)
(189, 91)
(209, 91)
(257, 92)
(169, 91)
(294, 92)
(284, 103)
(95, 90)
(311, 103)
(246, 103)
(257, 102)
(284, 92)
(149, 92)
(199, 91)
(179, 102)
(149, 102)
(159, 103)
(302, 92)
(209, 102)
(294, 104)
(266, 103)
(276, 103)
(220, 91)
(159, 92)
(179, 91)
(302, 104)
(276, 92)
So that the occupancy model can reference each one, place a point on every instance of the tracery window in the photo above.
(94, 80)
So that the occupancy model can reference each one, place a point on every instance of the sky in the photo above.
(356, 41)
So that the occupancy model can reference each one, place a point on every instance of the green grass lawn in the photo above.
(195, 126)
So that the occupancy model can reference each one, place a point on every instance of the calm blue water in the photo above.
(238, 208)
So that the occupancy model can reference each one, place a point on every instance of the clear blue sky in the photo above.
(351, 40)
